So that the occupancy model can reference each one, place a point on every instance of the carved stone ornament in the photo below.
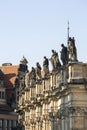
(64, 112)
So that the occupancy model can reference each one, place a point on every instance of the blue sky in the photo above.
(34, 27)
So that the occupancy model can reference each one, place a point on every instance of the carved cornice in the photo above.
(75, 111)
(80, 110)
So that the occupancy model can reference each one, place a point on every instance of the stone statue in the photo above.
(32, 76)
(55, 60)
(72, 49)
(27, 79)
(46, 65)
(64, 54)
(38, 71)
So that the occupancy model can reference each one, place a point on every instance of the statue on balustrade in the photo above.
(64, 54)
(72, 51)
(46, 66)
(27, 79)
(38, 71)
(55, 60)
(32, 76)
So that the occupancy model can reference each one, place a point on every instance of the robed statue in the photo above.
(72, 51)
(55, 60)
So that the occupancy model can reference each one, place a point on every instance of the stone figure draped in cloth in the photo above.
(55, 60)
(72, 51)
(27, 79)
(64, 54)
(46, 65)
(38, 71)
(32, 76)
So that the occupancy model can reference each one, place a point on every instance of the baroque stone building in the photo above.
(53, 100)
